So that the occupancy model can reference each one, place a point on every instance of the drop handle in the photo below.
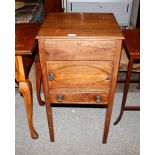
(59, 98)
(51, 76)
(98, 99)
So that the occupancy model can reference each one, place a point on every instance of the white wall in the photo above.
(134, 13)
(64, 3)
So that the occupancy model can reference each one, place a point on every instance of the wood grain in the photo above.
(79, 49)
(132, 42)
(25, 38)
(84, 25)
(80, 74)
(75, 96)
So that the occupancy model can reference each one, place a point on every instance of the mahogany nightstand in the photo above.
(79, 55)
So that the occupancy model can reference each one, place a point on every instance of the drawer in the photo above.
(79, 49)
(94, 75)
(71, 97)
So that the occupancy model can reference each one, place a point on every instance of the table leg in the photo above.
(125, 90)
(107, 123)
(50, 122)
(26, 89)
(38, 82)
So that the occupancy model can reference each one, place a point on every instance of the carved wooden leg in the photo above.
(38, 82)
(107, 123)
(125, 90)
(26, 89)
(50, 122)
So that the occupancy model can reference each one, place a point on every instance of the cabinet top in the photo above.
(80, 25)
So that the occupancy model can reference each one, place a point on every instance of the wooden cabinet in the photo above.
(79, 56)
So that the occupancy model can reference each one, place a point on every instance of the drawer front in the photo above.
(79, 50)
(89, 75)
(78, 98)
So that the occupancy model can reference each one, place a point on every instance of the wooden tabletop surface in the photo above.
(132, 40)
(80, 25)
(25, 38)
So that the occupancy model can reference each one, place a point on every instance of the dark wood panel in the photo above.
(132, 41)
(52, 6)
(25, 38)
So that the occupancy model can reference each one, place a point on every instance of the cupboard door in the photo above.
(85, 75)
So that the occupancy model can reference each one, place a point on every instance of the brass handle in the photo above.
(59, 98)
(51, 76)
(98, 99)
